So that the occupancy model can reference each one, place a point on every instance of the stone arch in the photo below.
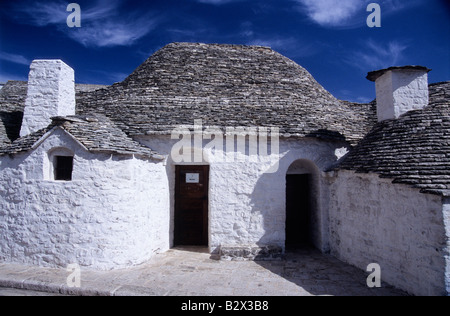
(305, 219)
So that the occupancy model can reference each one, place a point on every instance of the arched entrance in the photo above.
(302, 216)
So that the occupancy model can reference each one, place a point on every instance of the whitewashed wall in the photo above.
(51, 92)
(113, 214)
(401, 91)
(446, 212)
(248, 206)
(375, 221)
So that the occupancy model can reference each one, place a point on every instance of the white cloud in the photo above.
(14, 58)
(41, 14)
(375, 56)
(106, 33)
(348, 13)
(54, 12)
(332, 12)
(102, 24)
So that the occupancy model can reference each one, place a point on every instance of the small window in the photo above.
(63, 167)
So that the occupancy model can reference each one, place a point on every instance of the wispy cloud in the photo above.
(331, 12)
(374, 55)
(289, 46)
(4, 77)
(108, 33)
(54, 12)
(40, 14)
(102, 24)
(347, 13)
(15, 58)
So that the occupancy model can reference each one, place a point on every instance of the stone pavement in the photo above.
(191, 272)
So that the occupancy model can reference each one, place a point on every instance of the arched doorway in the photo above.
(302, 216)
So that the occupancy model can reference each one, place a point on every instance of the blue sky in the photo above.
(330, 38)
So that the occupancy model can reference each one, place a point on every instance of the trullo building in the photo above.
(234, 148)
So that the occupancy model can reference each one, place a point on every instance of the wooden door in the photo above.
(191, 206)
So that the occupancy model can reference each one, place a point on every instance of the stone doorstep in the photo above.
(49, 286)
(53, 281)
(251, 253)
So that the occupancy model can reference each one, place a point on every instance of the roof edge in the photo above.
(374, 75)
(214, 44)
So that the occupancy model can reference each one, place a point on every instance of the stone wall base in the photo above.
(251, 253)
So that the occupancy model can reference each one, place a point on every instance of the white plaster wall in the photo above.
(113, 214)
(51, 92)
(375, 221)
(247, 206)
(446, 212)
(399, 92)
(385, 97)
(410, 91)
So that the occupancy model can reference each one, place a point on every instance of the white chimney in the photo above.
(51, 92)
(400, 90)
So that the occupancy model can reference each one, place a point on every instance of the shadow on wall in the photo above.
(295, 217)
(12, 122)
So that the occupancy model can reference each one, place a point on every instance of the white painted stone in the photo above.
(119, 211)
(115, 212)
(446, 251)
(51, 92)
(248, 206)
(393, 225)
(400, 91)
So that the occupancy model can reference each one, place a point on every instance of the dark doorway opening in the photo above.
(298, 212)
(191, 206)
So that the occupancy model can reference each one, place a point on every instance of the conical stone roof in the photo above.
(414, 149)
(225, 85)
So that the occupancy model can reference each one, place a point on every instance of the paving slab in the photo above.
(193, 272)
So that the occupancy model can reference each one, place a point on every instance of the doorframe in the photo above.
(320, 236)
(207, 231)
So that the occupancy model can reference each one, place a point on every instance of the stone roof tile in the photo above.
(95, 132)
(374, 75)
(414, 149)
(225, 85)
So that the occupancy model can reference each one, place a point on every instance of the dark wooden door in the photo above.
(298, 211)
(191, 206)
